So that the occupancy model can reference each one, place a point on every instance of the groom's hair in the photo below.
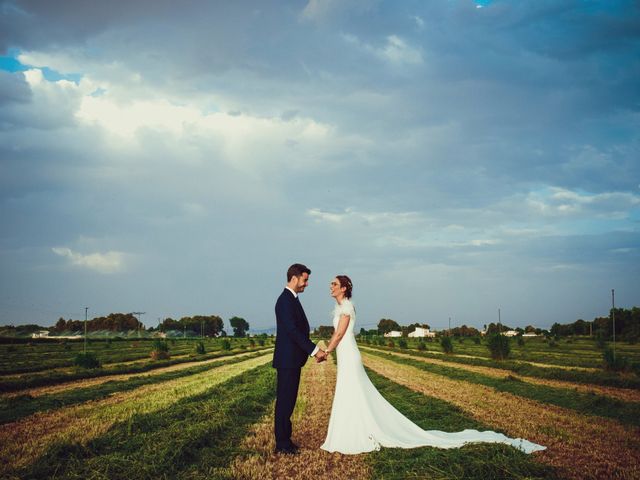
(296, 270)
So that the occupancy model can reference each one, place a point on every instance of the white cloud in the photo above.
(108, 262)
(375, 219)
(561, 202)
(395, 52)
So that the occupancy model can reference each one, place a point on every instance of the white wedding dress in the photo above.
(363, 421)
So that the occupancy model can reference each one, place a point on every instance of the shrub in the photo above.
(476, 340)
(380, 341)
(391, 344)
(160, 350)
(261, 342)
(552, 343)
(460, 340)
(619, 364)
(107, 344)
(520, 341)
(499, 347)
(226, 344)
(421, 346)
(402, 343)
(86, 360)
(252, 343)
(200, 348)
(447, 344)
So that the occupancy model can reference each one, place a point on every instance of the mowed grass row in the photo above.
(311, 418)
(194, 437)
(26, 358)
(15, 407)
(626, 412)
(24, 441)
(625, 394)
(595, 377)
(578, 352)
(580, 446)
(15, 383)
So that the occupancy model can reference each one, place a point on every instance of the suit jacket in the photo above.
(293, 346)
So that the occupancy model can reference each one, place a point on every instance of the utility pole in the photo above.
(86, 309)
(449, 326)
(613, 316)
(139, 322)
(499, 323)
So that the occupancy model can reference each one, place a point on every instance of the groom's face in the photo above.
(302, 282)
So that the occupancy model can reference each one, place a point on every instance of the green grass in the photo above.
(586, 403)
(37, 357)
(54, 377)
(479, 461)
(610, 379)
(195, 438)
(20, 406)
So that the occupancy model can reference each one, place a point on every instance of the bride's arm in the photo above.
(339, 333)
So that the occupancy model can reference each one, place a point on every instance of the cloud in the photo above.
(395, 51)
(106, 263)
(560, 202)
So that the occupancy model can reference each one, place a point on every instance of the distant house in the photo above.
(510, 333)
(40, 334)
(393, 333)
(530, 334)
(422, 332)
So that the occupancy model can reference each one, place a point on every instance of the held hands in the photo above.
(321, 356)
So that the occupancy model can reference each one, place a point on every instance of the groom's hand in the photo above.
(321, 356)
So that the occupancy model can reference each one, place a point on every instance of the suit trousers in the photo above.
(286, 395)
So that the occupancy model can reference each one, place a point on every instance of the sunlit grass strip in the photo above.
(191, 439)
(583, 447)
(570, 374)
(23, 382)
(310, 423)
(477, 461)
(88, 382)
(15, 408)
(624, 394)
(591, 404)
(23, 441)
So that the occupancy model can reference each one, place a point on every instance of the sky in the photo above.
(453, 157)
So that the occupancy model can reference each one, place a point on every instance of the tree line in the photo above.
(627, 322)
(207, 325)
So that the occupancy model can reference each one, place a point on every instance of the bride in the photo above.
(361, 419)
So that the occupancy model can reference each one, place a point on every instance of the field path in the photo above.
(23, 441)
(625, 394)
(89, 382)
(582, 447)
(310, 423)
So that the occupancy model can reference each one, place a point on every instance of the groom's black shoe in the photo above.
(294, 447)
(287, 451)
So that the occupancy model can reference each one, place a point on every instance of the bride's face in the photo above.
(335, 289)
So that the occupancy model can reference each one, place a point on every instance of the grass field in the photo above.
(197, 416)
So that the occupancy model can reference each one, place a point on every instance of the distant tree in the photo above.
(325, 331)
(239, 325)
(385, 325)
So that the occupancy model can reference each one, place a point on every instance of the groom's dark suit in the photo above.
(292, 350)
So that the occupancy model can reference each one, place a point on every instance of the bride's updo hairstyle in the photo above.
(345, 282)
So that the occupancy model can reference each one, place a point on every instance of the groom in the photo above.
(292, 349)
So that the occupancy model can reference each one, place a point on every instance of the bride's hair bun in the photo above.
(345, 282)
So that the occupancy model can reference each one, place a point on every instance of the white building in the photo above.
(422, 332)
(393, 333)
(510, 333)
(40, 334)
(530, 334)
